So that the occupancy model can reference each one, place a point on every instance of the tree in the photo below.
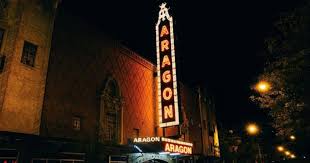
(285, 69)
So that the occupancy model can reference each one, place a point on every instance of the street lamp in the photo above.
(292, 137)
(252, 129)
(287, 153)
(292, 156)
(262, 86)
(280, 148)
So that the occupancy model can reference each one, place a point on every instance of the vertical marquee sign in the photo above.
(166, 70)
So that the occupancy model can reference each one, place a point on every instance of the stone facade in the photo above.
(22, 86)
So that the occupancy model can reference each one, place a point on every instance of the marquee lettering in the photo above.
(166, 70)
(167, 144)
(168, 111)
(164, 31)
(167, 93)
(164, 45)
(175, 148)
(166, 61)
(146, 139)
(166, 76)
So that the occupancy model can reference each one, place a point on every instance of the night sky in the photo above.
(218, 42)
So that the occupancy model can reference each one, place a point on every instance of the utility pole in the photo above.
(201, 120)
(259, 153)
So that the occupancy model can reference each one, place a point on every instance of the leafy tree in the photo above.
(285, 70)
(229, 143)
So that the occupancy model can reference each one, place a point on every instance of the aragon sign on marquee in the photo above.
(146, 140)
(166, 70)
(166, 144)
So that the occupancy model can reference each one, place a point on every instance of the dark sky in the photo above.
(218, 42)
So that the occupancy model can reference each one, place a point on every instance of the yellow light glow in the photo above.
(168, 111)
(166, 76)
(165, 62)
(164, 31)
(280, 148)
(176, 148)
(292, 137)
(292, 156)
(287, 153)
(262, 86)
(167, 93)
(252, 129)
(146, 139)
(165, 46)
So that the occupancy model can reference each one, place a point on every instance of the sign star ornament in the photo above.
(163, 13)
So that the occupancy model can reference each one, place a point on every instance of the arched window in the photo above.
(110, 113)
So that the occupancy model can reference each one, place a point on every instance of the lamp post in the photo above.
(252, 129)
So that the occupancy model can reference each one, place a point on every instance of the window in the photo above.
(2, 62)
(76, 123)
(156, 130)
(2, 57)
(110, 113)
(3, 4)
(111, 125)
(1, 37)
(211, 129)
(29, 53)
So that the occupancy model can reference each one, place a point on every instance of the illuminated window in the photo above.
(110, 113)
(29, 53)
(76, 123)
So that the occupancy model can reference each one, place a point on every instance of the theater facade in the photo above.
(73, 96)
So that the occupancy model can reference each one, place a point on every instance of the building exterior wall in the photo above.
(198, 114)
(74, 63)
(22, 86)
(80, 64)
(209, 121)
(191, 117)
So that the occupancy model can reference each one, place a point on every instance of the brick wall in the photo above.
(22, 87)
(81, 60)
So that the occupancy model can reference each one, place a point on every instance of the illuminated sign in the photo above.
(176, 148)
(166, 70)
(146, 140)
(166, 144)
(176, 141)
